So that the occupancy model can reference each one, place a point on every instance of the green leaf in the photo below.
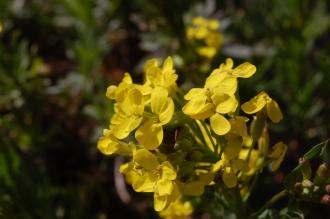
(316, 151)
(296, 174)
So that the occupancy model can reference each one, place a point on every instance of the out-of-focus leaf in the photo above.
(295, 175)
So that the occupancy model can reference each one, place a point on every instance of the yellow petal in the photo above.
(161, 202)
(215, 79)
(244, 70)
(199, 21)
(278, 153)
(225, 103)
(214, 24)
(228, 65)
(149, 135)
(111, 92)
(127, 78)
(122, 130)
(167, 112)
(151, 63)
(195, 188)
(227, 86)
(274, 112)
(256, 104)
(207, 51)
(143, 184)
(194, 92)
(146, 159)
(168, 171)
(218, 165)
(168, 64)
(109, 146)
(219, 124)
(158, 99)
(164, 187)
(229, 178)
(233, 148)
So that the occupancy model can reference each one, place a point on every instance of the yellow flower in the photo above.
(196, 187)
(218, 96)
(255, 159)
(261, 101)
(150, 133)
(229, 169)
(148, 175)
(206, 31)
(128, 113)
(162, 77)
(108, 145)
(277, 155)
(177, 210)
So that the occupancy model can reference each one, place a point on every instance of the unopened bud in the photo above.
(298, 187)
(327, 189)
(322, 174)
(316, 189)
(257, 125)
(263, 142)
(307, 183)
(325, 199)
(305, 168)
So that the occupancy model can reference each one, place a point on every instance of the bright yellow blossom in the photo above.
(218, 96)
(150, 133)
(160, 77)
(261, 101)
(177, 210)
(206, 31)
(108, 145)
(148, 175)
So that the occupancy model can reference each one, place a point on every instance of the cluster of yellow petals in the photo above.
(218, 95)
(213, 126)
(206, 31)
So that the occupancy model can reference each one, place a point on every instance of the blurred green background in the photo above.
(58, 57)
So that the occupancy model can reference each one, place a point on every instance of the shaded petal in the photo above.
(195, 92)
(219, 124)
(164, 187)
(143, 184)
(168, 171)
(233, 148)
(226, 104)
(161, 202)
(166, 115)
(159, 97)
(149, 135)
(278, 153)
(215, 79)
(244, 70)
(146, 159)
(274, 112)
(229, 178)
(256, 104)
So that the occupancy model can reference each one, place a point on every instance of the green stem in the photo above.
(209, 135)
(269, 203)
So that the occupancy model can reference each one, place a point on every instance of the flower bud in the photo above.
(307, 183)
(257, 125)
(263, 142)
(322, 174)
(327, 189)
(298, 187)
(325, 199)
(305, 168)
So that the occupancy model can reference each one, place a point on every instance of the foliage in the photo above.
(58, 57)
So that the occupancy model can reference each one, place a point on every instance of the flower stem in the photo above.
(269, 203)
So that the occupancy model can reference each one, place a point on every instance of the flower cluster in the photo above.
(176, 145)
(205, 33)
